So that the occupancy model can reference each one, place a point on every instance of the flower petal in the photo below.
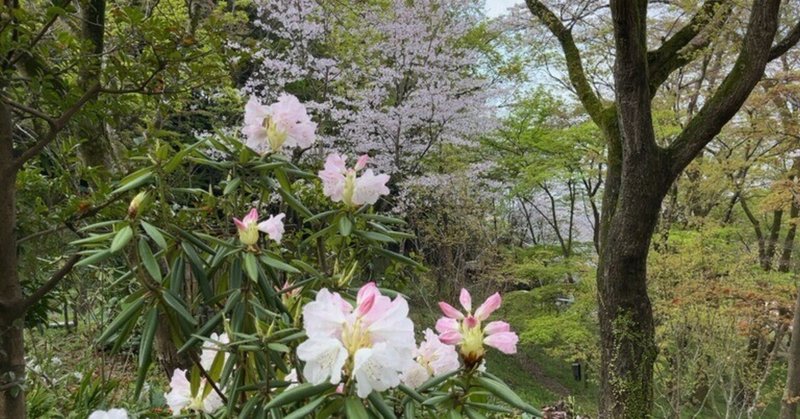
(465, 299)
(496, 327)
(446, 324)
(506, 342)
(488, 307)
(450, 311)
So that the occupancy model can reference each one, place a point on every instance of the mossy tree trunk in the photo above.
(640, 171)
(12, 351)
(95, 148)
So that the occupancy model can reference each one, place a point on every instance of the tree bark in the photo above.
(12, 350)
(95, 147)
(640, 172)
(791, 394)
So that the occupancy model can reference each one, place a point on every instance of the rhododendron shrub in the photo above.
(286, 314)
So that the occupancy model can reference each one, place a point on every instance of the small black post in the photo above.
(576, 370)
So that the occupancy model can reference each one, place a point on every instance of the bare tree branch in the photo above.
(56, 127)
(786, 43)
(734, 89)
(575, 70)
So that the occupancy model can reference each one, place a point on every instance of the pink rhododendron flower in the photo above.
(284, 123)
(249, 227)
(373, 342)
(342, 185)
(180, 397)
(468, 332)
(433, 358)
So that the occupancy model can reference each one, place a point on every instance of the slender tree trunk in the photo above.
(95, 147)
(12, 350)
(791, 394)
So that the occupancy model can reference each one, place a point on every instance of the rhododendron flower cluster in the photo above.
(341, 184)
(284, 123)
(249, 227)
(433, 358)
(180, 397)
(372, 343)
(468, 332)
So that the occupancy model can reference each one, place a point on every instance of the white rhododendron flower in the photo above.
(109, 414)
(468, 332)
(433, 358)
(284, 123)
(372, 342)
(211, 349)
(248, 227)
(341, 184)
(180, 397)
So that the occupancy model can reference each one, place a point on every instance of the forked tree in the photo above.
(641, 168)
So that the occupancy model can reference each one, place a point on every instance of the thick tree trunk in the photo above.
(791, 394)
(12, 350)
(626, 319)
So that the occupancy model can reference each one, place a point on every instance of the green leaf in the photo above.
(178, 307)
(319, 216)
(122, 319)
(93, 238)
(298, 393)
(232, 185)
(433, 401)
(435, 381)
(306, 409)
(121, 239)
(177, 159)
(504, 393)
(251, 266)
(154, 234)
(473, 414)
(400, 258)
(345, 226)
(94, 258)
(295, 203)
(377, 402)
(354, 409)
(146, 348)
(135, 183)
(383, 219)
(378, 237)
(204, 331)
(149, 260)
(278, 264)
(411, 393)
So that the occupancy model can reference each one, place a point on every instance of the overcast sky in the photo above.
(498, 7)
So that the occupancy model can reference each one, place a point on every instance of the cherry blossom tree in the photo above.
(405, 81)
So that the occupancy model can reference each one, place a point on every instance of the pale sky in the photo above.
(498, 7)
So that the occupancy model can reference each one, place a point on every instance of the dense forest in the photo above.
(399, 208)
